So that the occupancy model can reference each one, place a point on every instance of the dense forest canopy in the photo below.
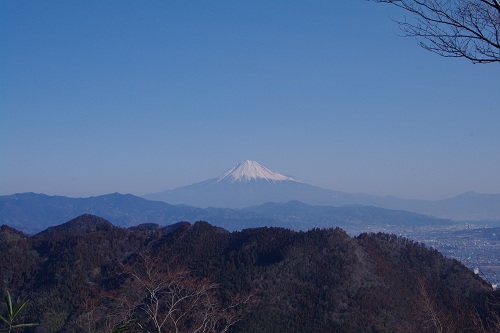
(90, 276)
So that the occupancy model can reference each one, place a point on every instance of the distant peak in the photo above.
(251, 170)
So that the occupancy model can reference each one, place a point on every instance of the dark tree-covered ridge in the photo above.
(321, 280)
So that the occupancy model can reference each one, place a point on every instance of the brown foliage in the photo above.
(158, 295)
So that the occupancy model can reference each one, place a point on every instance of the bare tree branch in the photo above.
(174, 300)
(456, 28)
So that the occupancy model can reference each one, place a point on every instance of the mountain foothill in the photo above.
(89, 274)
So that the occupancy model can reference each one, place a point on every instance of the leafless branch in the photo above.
(429, 307)
(174, 300)
(454, 28)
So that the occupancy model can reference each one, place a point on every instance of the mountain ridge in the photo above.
(33, 213)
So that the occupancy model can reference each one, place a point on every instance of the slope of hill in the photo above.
(301, 216)
(315, 281)
(83, 224)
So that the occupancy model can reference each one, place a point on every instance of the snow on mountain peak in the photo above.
(251, 170)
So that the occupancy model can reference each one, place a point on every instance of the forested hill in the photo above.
(89, 273)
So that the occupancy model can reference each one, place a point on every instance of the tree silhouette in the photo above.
(454, 28)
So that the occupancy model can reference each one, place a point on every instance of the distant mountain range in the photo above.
(245, 196)
(249, 184)
(32, 213)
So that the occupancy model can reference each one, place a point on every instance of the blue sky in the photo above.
(137, 97)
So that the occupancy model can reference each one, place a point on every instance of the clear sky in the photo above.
(142, 96)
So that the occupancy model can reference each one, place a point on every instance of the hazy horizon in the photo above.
(217, 176)
(101, 97)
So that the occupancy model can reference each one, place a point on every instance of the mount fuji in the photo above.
(245, 184)
(250, 184)
(248, 171)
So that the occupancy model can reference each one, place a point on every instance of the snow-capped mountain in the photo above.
(250, 184)
(245, 184)
(250, 171)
